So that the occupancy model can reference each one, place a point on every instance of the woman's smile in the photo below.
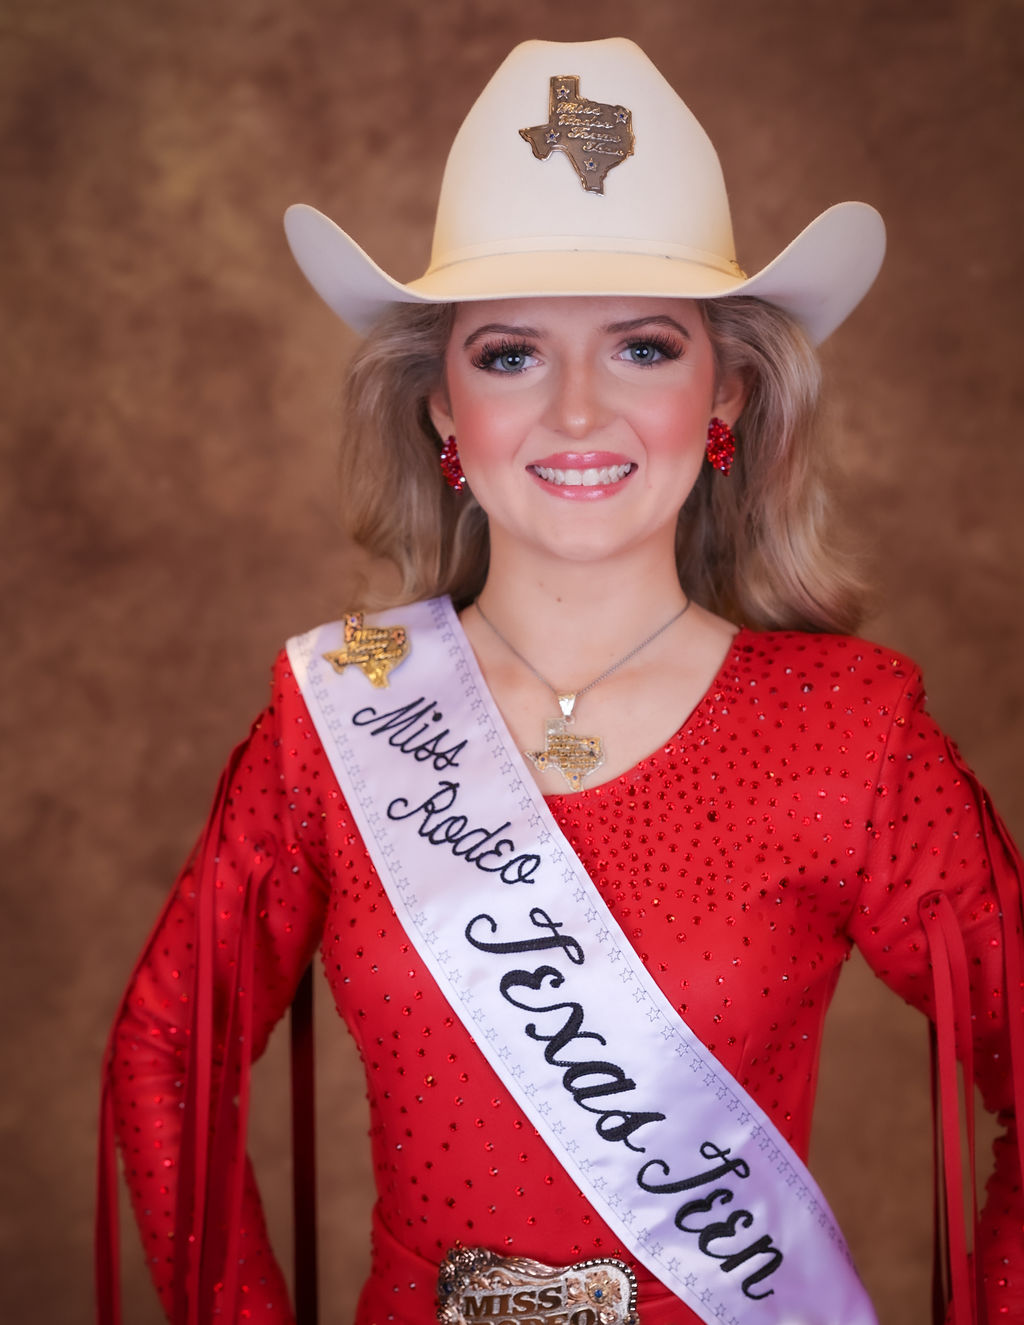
(585, 475)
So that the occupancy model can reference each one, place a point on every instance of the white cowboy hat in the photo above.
(580, 171)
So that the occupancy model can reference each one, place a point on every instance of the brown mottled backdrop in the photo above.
(169, 426)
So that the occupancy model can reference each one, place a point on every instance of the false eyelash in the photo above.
(491, 351)
(670, 348)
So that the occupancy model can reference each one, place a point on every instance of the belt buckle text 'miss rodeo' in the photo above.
(478, 1285)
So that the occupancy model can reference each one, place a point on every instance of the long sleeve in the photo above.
(935, 836)
(261, 900)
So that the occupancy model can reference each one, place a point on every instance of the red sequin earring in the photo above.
(451, 466)
(721, 446)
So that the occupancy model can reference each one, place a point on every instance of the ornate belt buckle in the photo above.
(478, 1285)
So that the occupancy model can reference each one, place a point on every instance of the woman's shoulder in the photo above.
(794, 662)
(805, 650)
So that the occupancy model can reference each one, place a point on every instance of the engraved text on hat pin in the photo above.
(593, 135)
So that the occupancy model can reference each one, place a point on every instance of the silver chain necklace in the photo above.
(575, 757)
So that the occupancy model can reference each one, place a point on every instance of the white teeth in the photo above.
(582, 478)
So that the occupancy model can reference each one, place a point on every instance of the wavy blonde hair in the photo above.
(755, 547)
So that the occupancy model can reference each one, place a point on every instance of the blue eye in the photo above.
(650, 350)
(504, 358)
(511, 361)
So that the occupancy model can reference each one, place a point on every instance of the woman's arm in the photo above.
(940, 851)
(219, 970)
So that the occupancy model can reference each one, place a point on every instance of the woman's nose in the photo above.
(576, 407)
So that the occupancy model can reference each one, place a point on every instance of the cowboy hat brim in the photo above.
(819, 278)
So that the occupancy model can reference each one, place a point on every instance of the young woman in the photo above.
(585, 817)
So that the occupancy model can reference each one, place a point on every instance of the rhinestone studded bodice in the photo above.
(805, 806)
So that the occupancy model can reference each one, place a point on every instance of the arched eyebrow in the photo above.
(613, 328)
(655, 320)
(499, 329)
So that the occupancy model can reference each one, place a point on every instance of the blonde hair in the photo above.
(754, 547)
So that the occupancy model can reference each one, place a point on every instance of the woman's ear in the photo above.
(439, 408)
(731, 392)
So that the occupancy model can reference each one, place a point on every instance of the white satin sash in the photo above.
(670, 1150)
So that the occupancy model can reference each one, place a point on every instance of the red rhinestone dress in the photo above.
(806, 805)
